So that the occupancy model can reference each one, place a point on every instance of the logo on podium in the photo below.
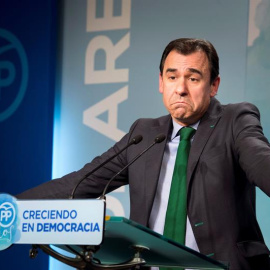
(8, 219)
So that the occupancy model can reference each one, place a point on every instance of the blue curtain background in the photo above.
(28, 34)
(56, 124)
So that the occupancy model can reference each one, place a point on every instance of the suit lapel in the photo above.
(154, 159)
(205, 129)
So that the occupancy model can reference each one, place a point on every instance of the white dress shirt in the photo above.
(158, 213)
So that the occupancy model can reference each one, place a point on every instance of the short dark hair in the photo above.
(187, 46)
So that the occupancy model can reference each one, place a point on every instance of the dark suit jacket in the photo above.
(228, 158)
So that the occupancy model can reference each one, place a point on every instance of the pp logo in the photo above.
(7, 220)
(7, 214)
(13, 74)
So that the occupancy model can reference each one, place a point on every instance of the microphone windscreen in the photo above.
(137, 139)
(160, 138)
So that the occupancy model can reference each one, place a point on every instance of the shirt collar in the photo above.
(177, 127)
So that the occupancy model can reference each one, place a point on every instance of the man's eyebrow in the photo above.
(194, 70)
(171, 70)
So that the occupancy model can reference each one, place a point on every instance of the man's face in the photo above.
(185, 85)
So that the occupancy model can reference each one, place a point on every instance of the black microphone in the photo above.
(159, 138)
(134, 140)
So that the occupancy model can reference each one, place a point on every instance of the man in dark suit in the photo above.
(229, 156)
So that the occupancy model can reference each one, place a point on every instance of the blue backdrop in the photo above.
(27, 76)
(107, 76)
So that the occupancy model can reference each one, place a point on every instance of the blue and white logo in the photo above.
(13, 73)
(8, 220)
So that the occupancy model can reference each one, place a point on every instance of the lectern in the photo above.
(95, 242)
(128, 245)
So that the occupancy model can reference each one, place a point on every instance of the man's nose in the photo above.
(181, 88)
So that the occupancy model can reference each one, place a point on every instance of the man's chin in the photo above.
(181, 114)
(184, 119)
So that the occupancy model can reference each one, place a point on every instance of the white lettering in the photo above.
(115, 206)
(109, 104)
(110, 74)
(108, 21)
(5, 215)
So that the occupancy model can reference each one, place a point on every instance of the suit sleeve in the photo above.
(252, 147)
(93, 185)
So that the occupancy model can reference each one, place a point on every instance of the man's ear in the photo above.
(214, 86)
(160, 83)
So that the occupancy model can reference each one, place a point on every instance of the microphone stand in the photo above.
(85, 254)
(85, 257)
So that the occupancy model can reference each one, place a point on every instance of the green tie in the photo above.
(176, 215)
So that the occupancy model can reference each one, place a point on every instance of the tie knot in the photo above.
(186, 133)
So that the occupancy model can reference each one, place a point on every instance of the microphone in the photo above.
(159, 138)
(134, 140)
